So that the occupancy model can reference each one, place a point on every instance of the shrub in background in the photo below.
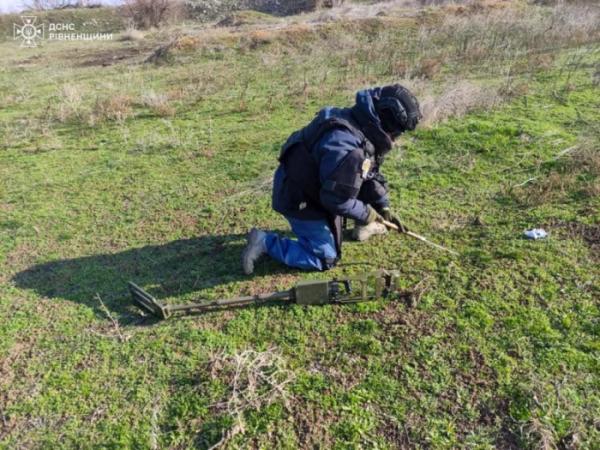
(144, 14)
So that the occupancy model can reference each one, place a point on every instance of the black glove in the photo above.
(387, 214)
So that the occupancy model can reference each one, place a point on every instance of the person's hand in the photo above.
(373, 215)
(389, 216)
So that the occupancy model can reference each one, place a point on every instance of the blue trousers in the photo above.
(315, 244)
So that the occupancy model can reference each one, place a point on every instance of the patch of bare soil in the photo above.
(396, 431)
(28, 61)
(312, 424)
(577, 230)
(109, 57)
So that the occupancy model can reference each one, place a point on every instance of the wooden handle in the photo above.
(393, 226)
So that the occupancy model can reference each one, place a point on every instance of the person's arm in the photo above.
(374, 192)
(341, 160)
(350, 208)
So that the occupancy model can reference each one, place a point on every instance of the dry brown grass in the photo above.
(587, 157)
(131, 34)
(70, 105)
(456, 100)
(449, 61)
(428, 67)
(553, 187)
(541, 61)
(115, 107)
(158, 103)
(492, 34)
(496, 35)
(260, 37)
(255, 380)
(575, 170)
(186, 43)
(542, 434)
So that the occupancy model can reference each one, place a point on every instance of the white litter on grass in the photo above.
(536, 233)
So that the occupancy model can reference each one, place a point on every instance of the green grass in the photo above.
(501, 351)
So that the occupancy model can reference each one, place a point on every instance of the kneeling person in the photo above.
(329, 170)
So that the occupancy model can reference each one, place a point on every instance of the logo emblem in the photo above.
(365, 168)
(28, 32)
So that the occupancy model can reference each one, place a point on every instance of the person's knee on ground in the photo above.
(314, 248)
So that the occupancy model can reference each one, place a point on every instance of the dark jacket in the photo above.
(343, 163)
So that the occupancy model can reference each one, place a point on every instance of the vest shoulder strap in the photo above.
(311, 134)
(336, 123)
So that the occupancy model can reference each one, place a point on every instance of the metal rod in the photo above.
(240, 301)
(393, 226)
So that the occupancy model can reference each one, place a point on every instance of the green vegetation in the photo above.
(114, 170)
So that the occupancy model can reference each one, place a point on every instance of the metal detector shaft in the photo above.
(393, 226)
(381, 283)
(150, 304)
(231, 303)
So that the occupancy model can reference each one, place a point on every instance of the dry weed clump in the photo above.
(131, 34)
(543, 61)
(457, 100)
(428, 67)
(261, 37)
(574, 170)
(541, 434)
(550, 189)
(255, 380)
(589, 233)
(187, 43)
(70, 105)
(8, 100)
(157, 103)
(587, 159)
(298, 35)
(115, 108)
(245, 18)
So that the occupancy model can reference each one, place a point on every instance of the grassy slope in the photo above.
(502, 349)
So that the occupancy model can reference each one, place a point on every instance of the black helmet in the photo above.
(398, 110)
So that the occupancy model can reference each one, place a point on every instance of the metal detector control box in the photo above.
(312, 292)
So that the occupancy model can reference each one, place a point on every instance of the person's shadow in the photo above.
(169, 270)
